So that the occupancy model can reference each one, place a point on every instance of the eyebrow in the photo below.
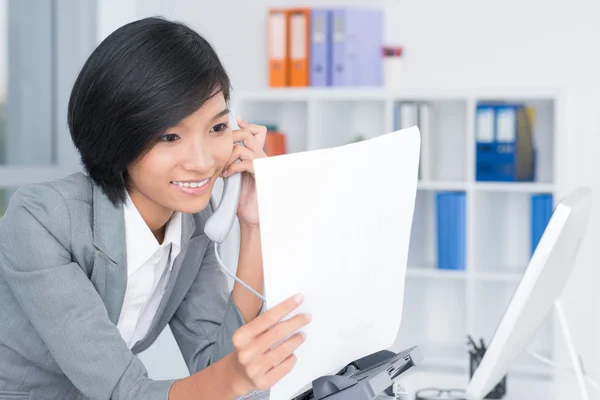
(217, 116)
(222, 113)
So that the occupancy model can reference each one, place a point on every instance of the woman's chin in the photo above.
(189, 206)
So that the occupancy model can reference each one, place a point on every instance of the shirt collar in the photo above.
(141, 242)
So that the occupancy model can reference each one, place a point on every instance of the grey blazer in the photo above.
(63, 276)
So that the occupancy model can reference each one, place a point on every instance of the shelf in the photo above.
(401, 94)
(357, 119)
(422, 249)
(434, 318)
(434, 273)
(441, 306)
(502, 220)
(514, 187)
(288, 117)
(443, 125)
(275, 94)
(305, 94)
(443, 185)
(441, 274)
(498, 187)
(509, 277)
(501, 187)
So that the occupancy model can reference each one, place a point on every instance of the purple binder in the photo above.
(357, 42)
(320, 48)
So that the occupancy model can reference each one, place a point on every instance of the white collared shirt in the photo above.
(149, 267)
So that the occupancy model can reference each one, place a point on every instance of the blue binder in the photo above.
(356, 51)
(320, 47)
(541, 211)
(485, 132)
(451, 230)
(504, 150)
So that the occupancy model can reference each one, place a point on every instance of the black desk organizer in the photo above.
(499, 391)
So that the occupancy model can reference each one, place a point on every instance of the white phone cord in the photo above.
(235, 277)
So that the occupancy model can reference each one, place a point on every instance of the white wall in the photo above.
(451, 44)
(3, 48)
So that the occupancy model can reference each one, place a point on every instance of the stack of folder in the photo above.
(275, 142)
(541, 211)
(325, 47)
(407, 114)
(451, 230)
(505, 150)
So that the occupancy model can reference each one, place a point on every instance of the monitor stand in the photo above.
(574, 356)
(577, 364)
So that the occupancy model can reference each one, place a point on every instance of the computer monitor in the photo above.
(540, 287)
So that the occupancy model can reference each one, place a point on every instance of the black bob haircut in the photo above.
(142, 79)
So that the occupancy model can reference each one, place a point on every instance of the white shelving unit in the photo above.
(441, 307)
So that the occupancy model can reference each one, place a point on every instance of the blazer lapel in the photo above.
(109, 240)
(187, 230)
(110, 243)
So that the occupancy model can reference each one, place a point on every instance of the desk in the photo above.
(518, 387)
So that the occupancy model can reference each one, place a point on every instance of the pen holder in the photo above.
(499, 391)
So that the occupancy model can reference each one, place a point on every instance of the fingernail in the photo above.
(303, 336)
(224, 174)
(298, 298)
(309, 317)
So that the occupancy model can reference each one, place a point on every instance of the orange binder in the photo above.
(275, 143)
(299, 46)
(277, 44)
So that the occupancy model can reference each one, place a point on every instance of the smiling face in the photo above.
(179, 171)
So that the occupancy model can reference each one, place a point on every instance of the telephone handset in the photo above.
(219, 224)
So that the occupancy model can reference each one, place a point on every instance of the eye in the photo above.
(170, 137)
(219, 128)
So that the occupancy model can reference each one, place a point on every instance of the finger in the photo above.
(272, 316)
(249, 140)
(255, 129)
(280, 332)
(277, 373)
(275, 336)
(259, 131)
(263, 362)
(240, 152)
(274, 357)
(242, 166)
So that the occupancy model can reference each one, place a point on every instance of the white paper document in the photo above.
(335, 226)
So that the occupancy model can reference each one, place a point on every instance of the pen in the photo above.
(473, 343)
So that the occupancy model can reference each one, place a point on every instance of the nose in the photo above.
(198, 156)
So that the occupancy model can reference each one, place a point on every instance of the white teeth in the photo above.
(191, 184)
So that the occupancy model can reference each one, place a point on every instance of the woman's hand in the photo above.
(256, 363)
(253, 137)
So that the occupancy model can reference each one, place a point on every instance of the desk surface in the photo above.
(519, 388)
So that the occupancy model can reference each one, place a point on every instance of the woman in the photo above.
(94, 266)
